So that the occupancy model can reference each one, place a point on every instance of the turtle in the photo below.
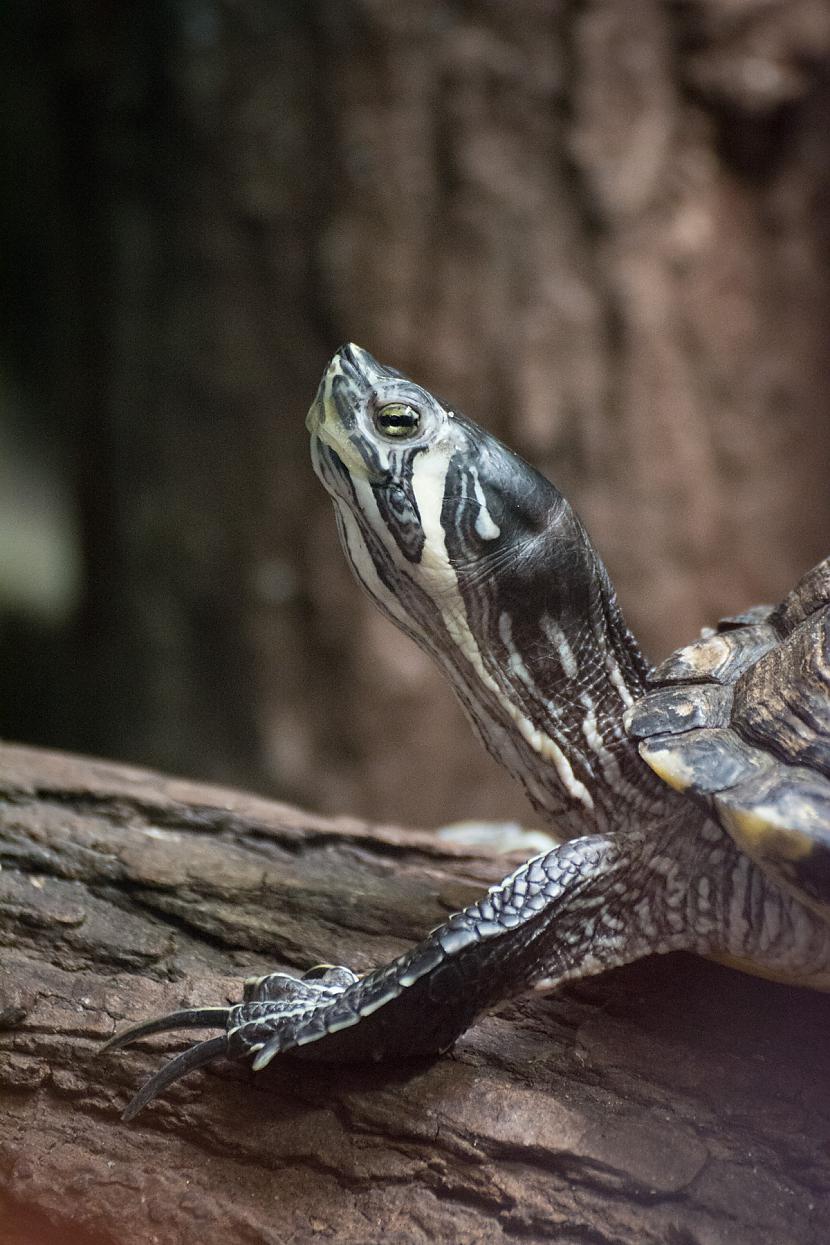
(690, 802)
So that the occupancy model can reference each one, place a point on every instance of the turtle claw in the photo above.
(272, 1016)
(196, 1057)
(191, 1018)
(333, 1015)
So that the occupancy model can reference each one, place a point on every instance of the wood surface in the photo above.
(672, 1103)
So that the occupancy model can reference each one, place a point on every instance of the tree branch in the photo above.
(671, 1102)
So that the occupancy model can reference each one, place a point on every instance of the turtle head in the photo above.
(422, 492)
(478, 557)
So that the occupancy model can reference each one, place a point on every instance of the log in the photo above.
(672, 1102)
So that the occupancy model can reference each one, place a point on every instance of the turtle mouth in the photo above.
(333, 444)
(335, 474)
(327, 463)
(316, 416)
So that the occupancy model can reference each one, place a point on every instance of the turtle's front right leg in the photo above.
(590, 904)
(569, 913)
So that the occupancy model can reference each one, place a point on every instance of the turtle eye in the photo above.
(398, 420)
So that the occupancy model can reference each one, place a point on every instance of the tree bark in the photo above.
(674, 1101)
(600, 228)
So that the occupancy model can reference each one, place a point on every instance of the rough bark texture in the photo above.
(675, 1102)
(600, 227)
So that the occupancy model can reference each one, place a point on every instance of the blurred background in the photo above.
(601, 228)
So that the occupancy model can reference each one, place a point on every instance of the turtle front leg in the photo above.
(569, 913)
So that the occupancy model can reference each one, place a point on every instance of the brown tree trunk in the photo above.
(673, 1102)
(600, 227)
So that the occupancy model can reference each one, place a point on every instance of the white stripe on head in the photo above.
(429, 484)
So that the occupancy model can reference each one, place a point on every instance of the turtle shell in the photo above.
(741, 720)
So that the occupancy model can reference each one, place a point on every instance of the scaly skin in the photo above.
(482, 561)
